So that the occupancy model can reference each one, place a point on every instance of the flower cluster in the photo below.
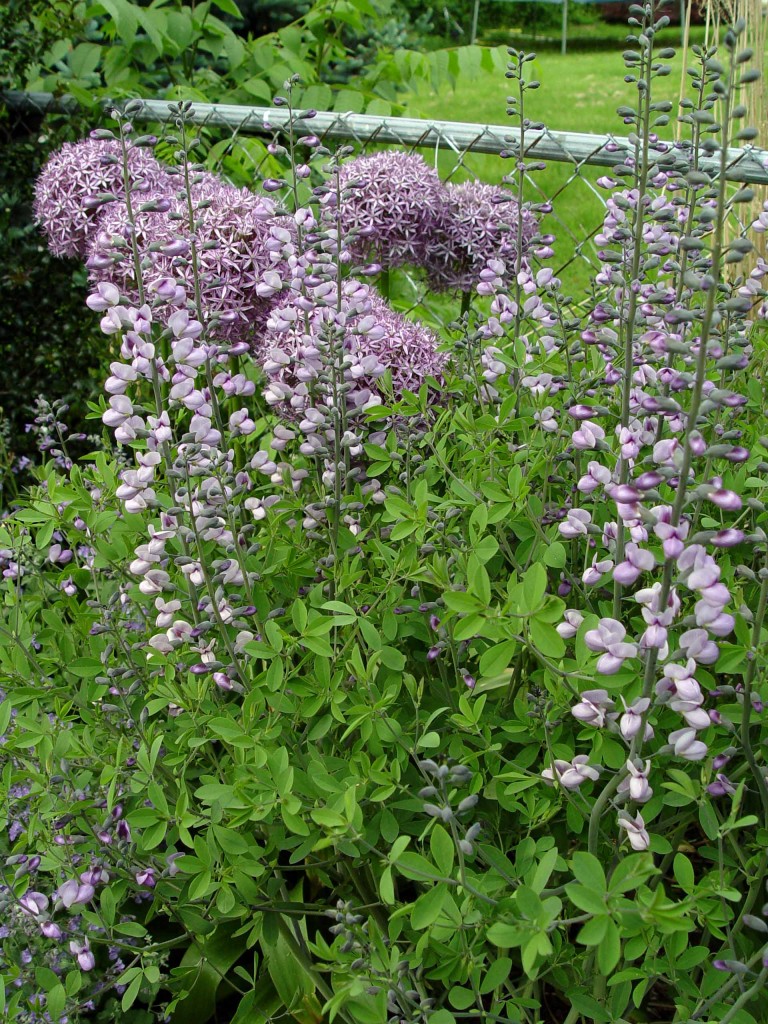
(575, 522)
(478, 223)
(395, 209)
(376, 339)
(393, 200)
(79, 179)
(234, 245)
(646, 434)
(329, 340)
(48, 901)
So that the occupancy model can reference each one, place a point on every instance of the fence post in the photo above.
(475, 13)
(564, 30)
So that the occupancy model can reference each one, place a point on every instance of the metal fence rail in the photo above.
(746, 164)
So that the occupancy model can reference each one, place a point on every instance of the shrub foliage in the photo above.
(340, 691)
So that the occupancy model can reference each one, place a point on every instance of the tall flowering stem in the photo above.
(719, 320)
(642, 63)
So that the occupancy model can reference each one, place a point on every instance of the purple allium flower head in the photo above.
(377, 338)
(396, 201)
(72, 178)
(477, 224)
(233, 229)
(408, 349)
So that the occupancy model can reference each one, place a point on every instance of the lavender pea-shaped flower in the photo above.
(608, 639)
(594, 708)
(571, 774)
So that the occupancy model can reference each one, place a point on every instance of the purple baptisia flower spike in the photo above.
(592, 575)
(672, 537)
(727, 538)
(146, 878)
(725, 499)
(105, 296)
(588, 435)
(683, 693)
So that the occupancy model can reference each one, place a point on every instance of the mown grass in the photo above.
(579, 92)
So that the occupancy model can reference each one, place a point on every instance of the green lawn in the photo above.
(579, 93)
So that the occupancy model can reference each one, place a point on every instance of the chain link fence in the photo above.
(563, 167)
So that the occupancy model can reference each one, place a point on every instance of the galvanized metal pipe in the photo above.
(747, 164)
